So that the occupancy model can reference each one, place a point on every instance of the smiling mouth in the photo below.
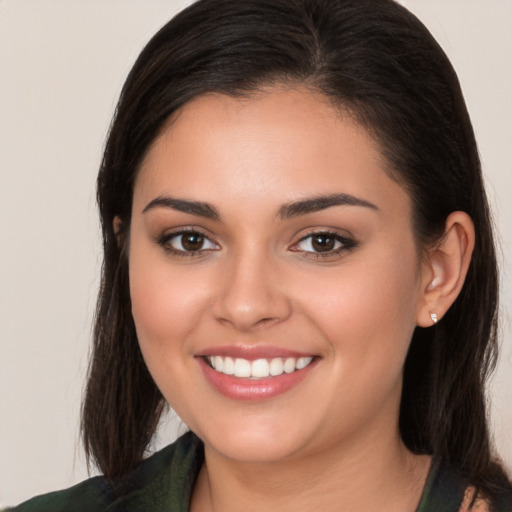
(258, 368)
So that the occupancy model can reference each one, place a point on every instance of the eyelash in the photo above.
(346, 244)
(165, 242)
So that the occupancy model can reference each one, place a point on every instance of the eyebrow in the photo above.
(319, 203)
(286, 211)
(182, 205)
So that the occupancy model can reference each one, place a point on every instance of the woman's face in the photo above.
(268, 240)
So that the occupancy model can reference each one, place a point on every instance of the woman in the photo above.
(299, 260)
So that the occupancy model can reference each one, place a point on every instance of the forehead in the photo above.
(275, 146)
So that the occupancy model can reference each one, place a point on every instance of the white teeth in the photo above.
(259, 368)
(289, 365)
(303, 362)
(218, 363)
(242, 368)
(276, 366)
(229, 366)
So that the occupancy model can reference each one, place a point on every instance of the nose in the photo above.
(251, 295)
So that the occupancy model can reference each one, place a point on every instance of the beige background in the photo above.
(62, 64)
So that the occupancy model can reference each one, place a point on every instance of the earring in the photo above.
(434, 318)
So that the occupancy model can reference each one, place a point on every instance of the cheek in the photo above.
(369, 309)
(166, 309)
(165, 304)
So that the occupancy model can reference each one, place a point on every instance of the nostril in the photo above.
(267, 320)
(247, 299)
(248, 323)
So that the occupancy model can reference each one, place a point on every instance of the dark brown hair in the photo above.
(376, 60)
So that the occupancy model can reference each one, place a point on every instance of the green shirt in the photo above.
(164, 483)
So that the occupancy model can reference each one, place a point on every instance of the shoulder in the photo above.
(447, 490)
(473, 502)
(92, 494)
(169, 471)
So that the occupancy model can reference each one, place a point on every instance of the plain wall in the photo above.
(62, 64)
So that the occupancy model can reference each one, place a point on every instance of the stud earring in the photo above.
(434, 318)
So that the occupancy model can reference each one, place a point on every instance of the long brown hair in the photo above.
(375, 59)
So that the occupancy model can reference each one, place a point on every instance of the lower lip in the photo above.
(248, 389)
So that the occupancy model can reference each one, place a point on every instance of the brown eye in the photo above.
(187, 242)
(192, 241)
(323, 242)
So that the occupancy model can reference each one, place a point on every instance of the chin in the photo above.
(249, 449)
(255, 444)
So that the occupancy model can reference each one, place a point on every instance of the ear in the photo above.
(117, 225)
(445, 267)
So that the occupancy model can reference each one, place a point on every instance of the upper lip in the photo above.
(251, 352)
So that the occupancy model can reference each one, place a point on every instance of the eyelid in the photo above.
(337, 242)
(164, 241)
(338, 233)
(347, 241)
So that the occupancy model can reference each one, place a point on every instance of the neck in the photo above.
(375, 473)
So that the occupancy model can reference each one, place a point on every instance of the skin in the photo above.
(333, 438)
